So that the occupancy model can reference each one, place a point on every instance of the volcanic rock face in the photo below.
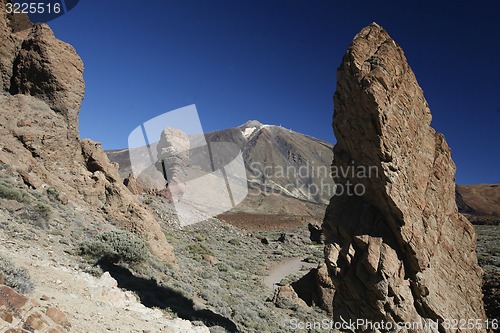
(42, 92)
(399, 251)
(10, 42)
(50, 70)
(173, 156)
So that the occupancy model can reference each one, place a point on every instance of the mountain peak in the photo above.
(251, 123)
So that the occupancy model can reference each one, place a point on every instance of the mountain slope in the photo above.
(484, 198)
(288, 172)
(482, 202)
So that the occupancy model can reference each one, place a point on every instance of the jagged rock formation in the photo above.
(399, 251)
(10, 42)
(316, 288)
(42, 90)
(131, 183)
(173, 157)
(50, 70)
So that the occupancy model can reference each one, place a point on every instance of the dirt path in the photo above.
(285, 268)
(93, 305)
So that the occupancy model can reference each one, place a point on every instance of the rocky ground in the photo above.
(488, 253)
(59, 278)
(219, 284)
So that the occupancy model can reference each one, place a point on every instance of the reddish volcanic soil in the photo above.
(263, 221)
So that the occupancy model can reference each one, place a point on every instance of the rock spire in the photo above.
(400, 252)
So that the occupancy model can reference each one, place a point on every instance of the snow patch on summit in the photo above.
(247, 132)
(248, 128)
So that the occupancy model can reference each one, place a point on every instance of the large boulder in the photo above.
(397, 248)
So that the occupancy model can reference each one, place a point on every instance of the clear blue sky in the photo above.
(275, 61)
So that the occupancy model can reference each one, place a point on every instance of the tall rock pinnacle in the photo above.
(398, 250)
(173, 157)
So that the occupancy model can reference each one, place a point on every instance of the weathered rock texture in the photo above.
(42, 92)
(316, 288)
(401, 252)
(173, 157)
(10, 42)
(19, 313)
(50, 70)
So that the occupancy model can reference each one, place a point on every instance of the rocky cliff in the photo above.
(42, 89)
(397, 248)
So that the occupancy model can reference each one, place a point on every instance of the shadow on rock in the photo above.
(153, 295)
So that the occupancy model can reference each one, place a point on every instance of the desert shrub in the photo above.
(15, 277)
(200, 238)
(115, 246)
(53, 194)
(7, 191)
(42, 211)
(38, 213)
(199, 250)
(222, 267)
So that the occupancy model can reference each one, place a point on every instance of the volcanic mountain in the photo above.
(288, 172)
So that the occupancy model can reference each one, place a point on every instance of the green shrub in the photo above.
(200, 238)
(199, 250)
(7, 191)
(38, 213)
(53, 194)
(15, 277)
(43, 211)
(116, 246)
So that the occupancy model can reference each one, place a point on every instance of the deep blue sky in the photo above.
(275, 61)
